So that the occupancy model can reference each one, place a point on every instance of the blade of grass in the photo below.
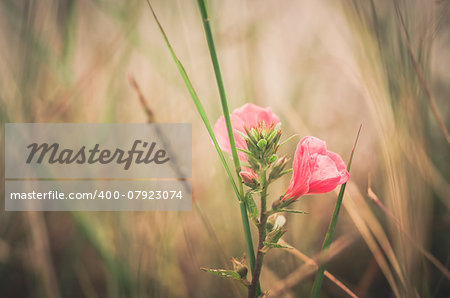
(226, 114)
(201, 111)
(329, 237)
(196, 100)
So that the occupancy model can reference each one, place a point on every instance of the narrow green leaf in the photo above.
(230, 274)
(251, 206)
(276, 245)
(196, 100)
(329, 237)
(247, 152)
(288, 139)
(292, 211)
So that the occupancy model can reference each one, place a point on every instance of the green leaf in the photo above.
(196, 100)
(286, 172)
(230, 274)
(288, 139)
(292, 211)
(276, 245)
(251, 206)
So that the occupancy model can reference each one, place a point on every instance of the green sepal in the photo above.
(275, 235)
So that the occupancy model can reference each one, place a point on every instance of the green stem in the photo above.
(255, 289)
(326, 243)
(226, 114)
(329, 237)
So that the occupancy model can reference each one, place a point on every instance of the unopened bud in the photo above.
(240, 267)
(262, 144)
(272, 158)
(250, 178)
(278, 167)
(279, 222)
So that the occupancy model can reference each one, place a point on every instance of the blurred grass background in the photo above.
(323, 66)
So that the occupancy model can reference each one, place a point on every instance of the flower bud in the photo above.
(271, 222)
(279, 222)
(278, 167)
(240, 268)
(249, 177)
(275, 234)
(272, 158)
(262, 144)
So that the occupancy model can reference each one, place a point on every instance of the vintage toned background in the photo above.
(324, 67)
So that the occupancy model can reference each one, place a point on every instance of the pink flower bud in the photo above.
(315, 169)
(249, 177)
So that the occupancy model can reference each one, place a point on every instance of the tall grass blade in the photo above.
(329, 237)
(196, 100)
(201, 111)
(226, 114)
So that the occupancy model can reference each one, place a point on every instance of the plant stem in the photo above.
(254, 290)
(329, 237)
(226, 114)
(326, 243)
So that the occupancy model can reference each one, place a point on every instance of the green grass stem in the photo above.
(329, 237)
(226, 114)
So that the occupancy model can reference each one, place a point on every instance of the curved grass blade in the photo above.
(196, 100)
(329, 237)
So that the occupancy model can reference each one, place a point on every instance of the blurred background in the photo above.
(324, 67)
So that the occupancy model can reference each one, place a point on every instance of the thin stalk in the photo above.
(255, 290)
(195, 99)
(329, 237)
(226, 114)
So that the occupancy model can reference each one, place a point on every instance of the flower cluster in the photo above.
(315, 170)
(257, 132)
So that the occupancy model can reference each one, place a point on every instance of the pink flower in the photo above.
(315, 169)
(249, 116)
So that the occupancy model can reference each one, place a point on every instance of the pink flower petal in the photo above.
(301, 173)
(325, 176)
(315, 169)
(340, 165)
(250, 116)
(314, 145)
